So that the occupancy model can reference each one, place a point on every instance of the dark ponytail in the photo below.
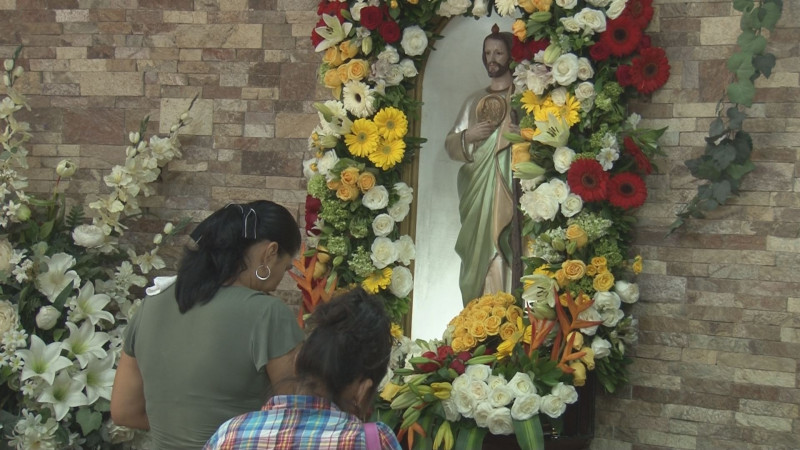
(351, 340)
(220, 243)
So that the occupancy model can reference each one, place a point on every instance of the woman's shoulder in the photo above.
(248, 299)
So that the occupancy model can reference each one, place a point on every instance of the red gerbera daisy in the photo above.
(627, 190)
(599, 51)
(624, 75)
(649, 70)
(641, 160)
(587, 179)
(622, 36)
(644, 42)
(641, 11)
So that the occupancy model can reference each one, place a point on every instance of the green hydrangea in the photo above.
(596, 140)
(360, 262)
(609, 248)
(334, 213)
(594, 225)
(337, 245)
(613, 90)
(318, 187)
(360, 227)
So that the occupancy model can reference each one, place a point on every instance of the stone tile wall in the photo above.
(718, 360)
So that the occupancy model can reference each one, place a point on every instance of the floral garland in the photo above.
(66, 289)
(580, 159)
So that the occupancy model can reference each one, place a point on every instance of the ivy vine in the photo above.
(727, 156)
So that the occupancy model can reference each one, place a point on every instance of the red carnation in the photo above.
(443, 352)
(627, 190)
(599, 51)
(587, 179)
(527, 50)
(624, 75)
(313, 206)
(649, 70)
(389, 31)
(644, 42)
(332, 9)
(428, 367)
(315, 37)
(459, 366)
(641, 11)
(641, 160)
(622, 36)
(371, 17)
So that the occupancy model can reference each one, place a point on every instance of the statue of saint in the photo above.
(485, 189)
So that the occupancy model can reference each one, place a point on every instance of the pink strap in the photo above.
(373, 441)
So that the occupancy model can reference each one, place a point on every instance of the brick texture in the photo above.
(717, 364)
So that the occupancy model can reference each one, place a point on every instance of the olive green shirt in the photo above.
(207, 365)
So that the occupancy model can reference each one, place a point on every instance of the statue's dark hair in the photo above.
(505, 37)
(351, 340)
(220, 242)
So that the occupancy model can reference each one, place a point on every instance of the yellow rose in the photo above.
(577, 339)
(478, 330)
(591, 270)
(499, 311)
(529, 133)
(331, 79)
(506, 331)
(588, 358)
(349, 176)
(603, 282)
(469, 342)
(574, 269)
(561, 278)
(513, 312)
(601, 269)
(637, 264)
(479, 315)
(390, 391)
(578, 374)
(366, 181)
(599, 261)
(519, 29)
(492, 324)
(333, 184)
(347, 193)
(343, 73)
(506, 298)
(458, 344)
(332, 57)
(542, 5)
(348, 50)
(577, 235)
(357, 69)
(520, 152)
(527, 5)
(582, 299)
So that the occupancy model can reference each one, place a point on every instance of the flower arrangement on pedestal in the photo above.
(67, 289)
(580, 159)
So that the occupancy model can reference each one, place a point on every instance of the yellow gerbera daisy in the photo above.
(392, 123)
(363, 138)
(531, 102)
(569, 111)
(388, 154)
(379, 279)
(542, 113)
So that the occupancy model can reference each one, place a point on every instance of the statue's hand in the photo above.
(478, 132)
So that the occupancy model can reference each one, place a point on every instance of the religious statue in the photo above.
(485, 187)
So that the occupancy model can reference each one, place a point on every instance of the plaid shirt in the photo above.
(297, 422)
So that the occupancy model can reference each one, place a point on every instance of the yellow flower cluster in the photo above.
(575, 270)
(379, 279)
(341, 68)
(352, 183)
(542, 107)
(381, 139)
(490, 315)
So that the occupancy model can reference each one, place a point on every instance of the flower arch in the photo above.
(579, 157)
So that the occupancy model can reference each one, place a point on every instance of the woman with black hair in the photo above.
(213, 345)
(338, 370)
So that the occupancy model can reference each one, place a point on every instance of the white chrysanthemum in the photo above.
(359, 99)
(506, 7)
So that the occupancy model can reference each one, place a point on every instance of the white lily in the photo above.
(63, 394)
(42, 360)
(98, 378)
(89, 305)
(85, 343)
(555, 132)
(332, 33)
(58, 275)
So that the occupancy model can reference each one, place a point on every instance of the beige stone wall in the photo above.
(718, 362)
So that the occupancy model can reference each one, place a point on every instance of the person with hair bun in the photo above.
(338, 370)
(215, 344)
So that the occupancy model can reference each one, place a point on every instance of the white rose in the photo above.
(591, 20)
(326, 163)
(607, 304)
(522, 385)
(382, 225)
(6, 252)
(405, 249)
(525, 406)
(394, 75)
(562, 159)
(464, 402)
(384, 252)
(572, 205)
(89, 236)
(552, 406)
(482, 412)
(585, 69)
(376, 198)
(590, 314)
(9, 320)
(616, 8)
(478, 372)
(540, 204)
(601, 348)
(402, 282)
(499, 421)
(628, 292)
(479, 390)
(461, 382)
(598, 3)
(567, 4)
(404, 191)
(565, 69)
(408, 67)
(451, 413)
(566, 392)
(399, 211)
(584, 90)
(570, 24)
(496, 381)
(500, 396)
(559, 189)
(390, 55)
(47, 317)
(529, 185)
(414, 41)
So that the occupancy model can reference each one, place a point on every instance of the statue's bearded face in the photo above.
(496, 57)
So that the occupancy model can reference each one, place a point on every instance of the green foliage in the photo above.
(726, 159)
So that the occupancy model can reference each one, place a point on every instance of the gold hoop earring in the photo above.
(264, 278)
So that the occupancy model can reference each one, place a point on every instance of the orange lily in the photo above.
(412, 429)
(540, 329)
(314, 291)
